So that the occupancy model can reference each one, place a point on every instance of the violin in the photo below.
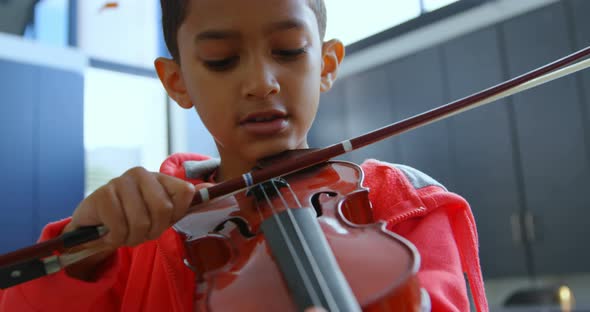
(302, 238)
(301, 219)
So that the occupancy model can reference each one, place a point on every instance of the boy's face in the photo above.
(254, 71)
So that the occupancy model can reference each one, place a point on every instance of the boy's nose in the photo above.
(261, 82)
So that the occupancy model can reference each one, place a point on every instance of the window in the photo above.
(127, 33)
(124, 125)
(353, 20)
(48, 21)
(431, 5)
(188, 133)
(51, 22)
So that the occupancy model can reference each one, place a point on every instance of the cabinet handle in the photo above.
(529, 226)
(515, 226)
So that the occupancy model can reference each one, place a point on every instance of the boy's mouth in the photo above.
(265, 122)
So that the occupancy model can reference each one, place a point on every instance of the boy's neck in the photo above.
(231, 169)
(234, 165)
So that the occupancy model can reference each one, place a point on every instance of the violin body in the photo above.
(250, 251)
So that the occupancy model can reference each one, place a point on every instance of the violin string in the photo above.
(309, 255)
(295, 197)
(260, 213)
(291, 248)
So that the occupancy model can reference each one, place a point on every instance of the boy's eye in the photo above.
(289, 54)
(221, 65)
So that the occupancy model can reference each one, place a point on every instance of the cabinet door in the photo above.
(578, 14)
(18, 139)
(483, 150)
(330, 125)
(369, 107)
(549, 126)
(416, 87)
(61, 144)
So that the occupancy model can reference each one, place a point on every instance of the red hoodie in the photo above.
(152, 277)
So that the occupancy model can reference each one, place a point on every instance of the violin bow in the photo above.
(521, 83)
(43, 258)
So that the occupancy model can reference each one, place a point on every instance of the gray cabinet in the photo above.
(417, 86)
(484, 156)
(18, 119)
(551, 139)
(577, 15)
(368, 103)
(42, 157)
(61, 144)
(330, 126)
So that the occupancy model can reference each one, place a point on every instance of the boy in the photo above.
(253, 70)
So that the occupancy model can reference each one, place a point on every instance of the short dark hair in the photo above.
(174, 12)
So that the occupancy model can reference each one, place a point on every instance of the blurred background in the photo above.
(81, 104)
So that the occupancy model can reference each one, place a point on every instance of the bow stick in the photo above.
(39, 260)
(526, 81)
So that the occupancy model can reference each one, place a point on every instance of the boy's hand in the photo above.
(136, 207)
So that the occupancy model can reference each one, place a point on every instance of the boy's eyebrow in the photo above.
(220, 34)
(216, 35)
(292, 23)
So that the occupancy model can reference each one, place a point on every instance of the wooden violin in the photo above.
(304, 239)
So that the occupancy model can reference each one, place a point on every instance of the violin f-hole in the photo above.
(239, 223)
(207, 254)
(316, 201)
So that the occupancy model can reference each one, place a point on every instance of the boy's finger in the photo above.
(98, 209)
(159, 204)
(110, 213)
(138, 218)
(180, 192)
(203, 185)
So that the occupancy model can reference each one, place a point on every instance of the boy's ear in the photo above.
(332, 55)
(171, 77)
